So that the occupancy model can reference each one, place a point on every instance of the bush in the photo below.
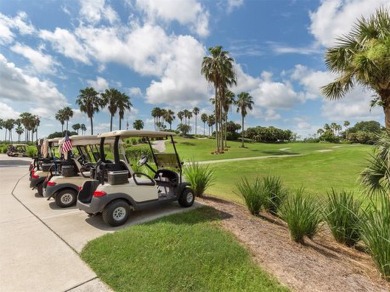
(342, 214)
(375, 228)
(302, 215)
(32, 151)
(252, 194)
(274, 194)
(199, 176)
(135, 153)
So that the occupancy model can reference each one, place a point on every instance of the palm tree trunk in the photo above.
(67, 126)
(387, 117)
(216, 117)
(120, 123)
(91, 125)
(242, 133)
(111, 123)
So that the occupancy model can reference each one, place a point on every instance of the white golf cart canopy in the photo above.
(136, 133)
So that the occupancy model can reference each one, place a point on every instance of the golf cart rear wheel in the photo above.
(186, 198)
(116, 213)
(66, 198)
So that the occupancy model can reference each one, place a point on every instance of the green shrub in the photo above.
(274, 194)
(342, 213)
(135, 153)
(32, 151)
(252, 194)
(302, 214)
(199, 176)
(376, 233)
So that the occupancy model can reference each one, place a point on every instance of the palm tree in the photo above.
(9, 125)
(244, 102)
(76, 127)
(36, 123)
(218, 69)
(67, 114)
(362, 57)
(60, 116)
(123, 104)
(156, 114)
(83, 128)
(169, 116)
(180, 115)
(25, 119)
(19, 130)
(203, 118)
(227, 101)
(110, 98)
(138, 124)
(211, 122)
(89, 103)
(196, 112)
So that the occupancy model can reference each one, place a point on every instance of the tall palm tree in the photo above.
(244, 103)
(227, 101)
(169, 116)
(9, 125)
(83, 128)
(211, 123)
(109, 99)
(19, 130)
(196, 110)
(123, 104)
(89, 103)
(76, 127)
(25, 119)
(180, 115)
(156, 114)
(67, 114)
(203, 118)
(218, 70)
(362, 57)
(60, 116)
(138, 124)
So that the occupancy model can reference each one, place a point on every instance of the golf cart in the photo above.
(17, 150)
(117, 189)
(42, 164)
(75, 170)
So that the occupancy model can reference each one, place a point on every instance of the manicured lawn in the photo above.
(184, 252)
(317, 172)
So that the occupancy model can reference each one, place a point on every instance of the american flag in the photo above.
(67, 146)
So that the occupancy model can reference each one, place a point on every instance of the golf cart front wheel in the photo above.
(116, 213)
(66, 198)
(186, 198)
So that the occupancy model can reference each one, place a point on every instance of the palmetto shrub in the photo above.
(375, 228)
(274, 193)
(302, 215)
(252, 193)
(199, 176)
(342, 213)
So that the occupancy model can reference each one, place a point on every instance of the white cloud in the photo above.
(7, 112)
(233, 4)
(17, 86)
(20, 22)
(93, 11)
(181, 82)
(135, 91)
(66, 43)
(100, 84)
(42, 63)
(186, 12)
(335, 18)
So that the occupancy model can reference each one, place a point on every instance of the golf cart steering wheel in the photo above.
(143, 160)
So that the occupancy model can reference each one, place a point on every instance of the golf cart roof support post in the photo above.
(152, 151)
(116, 149)
(177, 157)
(101, 149)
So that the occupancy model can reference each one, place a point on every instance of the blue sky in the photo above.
(152, 50)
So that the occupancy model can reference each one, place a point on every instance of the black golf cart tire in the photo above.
(65, 204)
(116, 208)
(40, 189)
(186, 198)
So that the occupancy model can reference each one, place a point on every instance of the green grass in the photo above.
(176, 253)
(317, 172)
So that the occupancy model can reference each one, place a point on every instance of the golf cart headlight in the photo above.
(33, 175)
(98, 193)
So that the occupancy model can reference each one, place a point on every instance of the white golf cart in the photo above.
(75, 170)
(118, 190)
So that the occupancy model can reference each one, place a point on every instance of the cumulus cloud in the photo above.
(189, 12)
(233, 4)
(66, 43)
(94, 11)
(7, 112)
(41, 63)
(20, 23)
(335, 18)
(181, 81)
(100, 84)
(17, 86)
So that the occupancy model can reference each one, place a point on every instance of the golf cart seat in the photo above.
(166, 178)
